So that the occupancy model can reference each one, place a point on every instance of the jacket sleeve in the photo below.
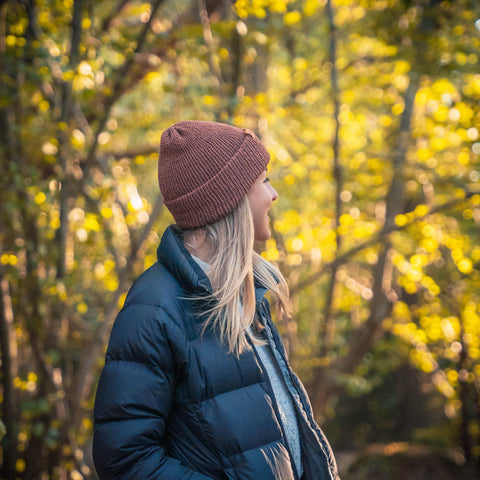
(134, 398)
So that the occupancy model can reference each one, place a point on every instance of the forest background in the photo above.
(370, 110)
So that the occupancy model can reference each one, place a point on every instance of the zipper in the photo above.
(295, 394)
(275, 406)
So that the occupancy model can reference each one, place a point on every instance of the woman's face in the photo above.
(260, 197)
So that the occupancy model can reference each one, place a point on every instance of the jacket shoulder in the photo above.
(152, 321)
(155, 286)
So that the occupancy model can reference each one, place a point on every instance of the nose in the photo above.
(273, 192)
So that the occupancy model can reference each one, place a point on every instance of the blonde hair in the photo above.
(233, 266)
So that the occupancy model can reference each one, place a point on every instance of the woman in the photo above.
(196, 384)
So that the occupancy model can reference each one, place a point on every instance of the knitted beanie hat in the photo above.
(205, 169)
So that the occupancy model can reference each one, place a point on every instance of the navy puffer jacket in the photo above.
(173, 404)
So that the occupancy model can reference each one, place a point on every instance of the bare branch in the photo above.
(108, 21)
(380, 305)
(366, 60)
(212, 58)
(378, 238)
(76, 31)
(118, 86)
(148, 150)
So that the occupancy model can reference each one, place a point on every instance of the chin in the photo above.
(263, 236)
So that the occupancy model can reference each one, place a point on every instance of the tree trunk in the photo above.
(8, 368)
(327, 328)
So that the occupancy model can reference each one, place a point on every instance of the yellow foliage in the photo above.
(439, 143)
(109, 265)
(401, 310)
(82, 308)
(429, 244)
(424, 153)
(299, 170)
(310, 7)
(111, 284)
(100, 271)
(87, 423)
(44, 106)
(473, 86)
(292, 18)
(279, 6)
(91, 223)
(300, 64)
(465, 265)
(106, 212)
(421, 210)
(418, 261)
(463, 158)
(461, 58)
(441, 114)
(149, 260)
(271, 254)
(20, 465)
(151, 77)
(296, 113)
(130, 220)
(210, 100)
(346, 219)
(409, 286)
(398, 108)
(400, 220)
(450, 327)
(9, 259)
(443, 86)
(121, 300)
(466, 113)
(289, 180)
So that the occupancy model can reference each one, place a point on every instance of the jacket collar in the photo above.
(177, 259)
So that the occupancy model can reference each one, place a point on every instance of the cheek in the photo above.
(259, 199)
(261, 205)
(267, 201)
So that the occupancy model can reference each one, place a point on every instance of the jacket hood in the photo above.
(176, 258)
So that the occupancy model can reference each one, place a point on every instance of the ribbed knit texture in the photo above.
(282, 391)
(206, 168)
